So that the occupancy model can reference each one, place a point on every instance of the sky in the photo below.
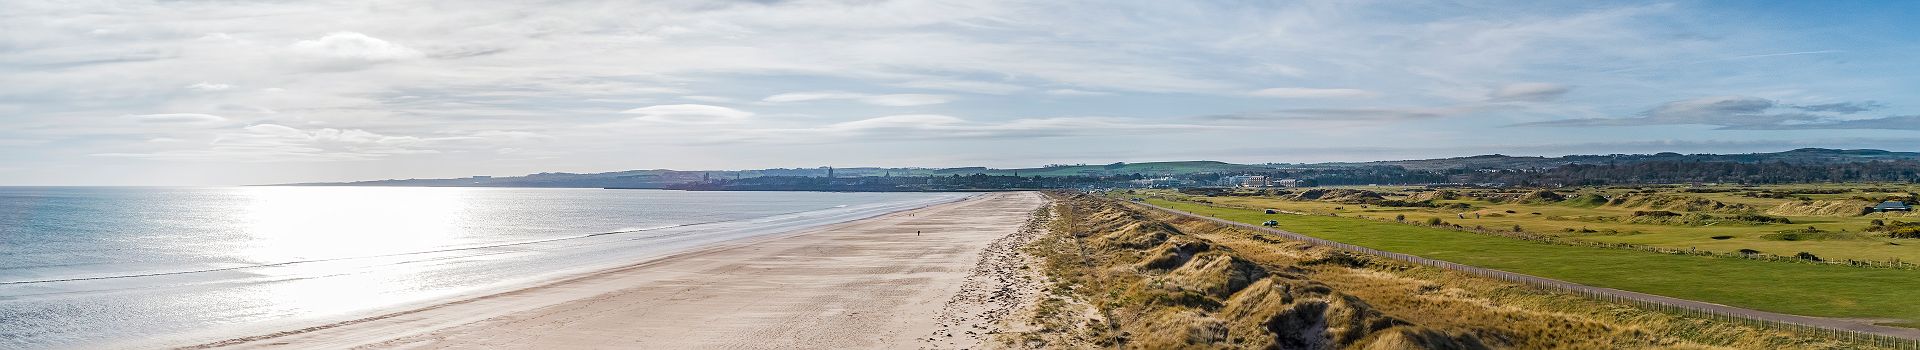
(247, 92)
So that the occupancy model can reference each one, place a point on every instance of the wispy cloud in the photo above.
(280, 143)
(1362, 114)
(206, 86)
(1530, 92)
(1076, 92)
(349, 50)
(1750, 113)
(1724, 59)
(688, 113)
(179, 118)
(1842, 107)
(911, 127)
(978, 87)
(1909, 122)
(1294, 92)
(895, 100)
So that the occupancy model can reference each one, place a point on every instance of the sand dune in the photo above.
(872, 283)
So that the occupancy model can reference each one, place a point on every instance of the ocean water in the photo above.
(87, 267)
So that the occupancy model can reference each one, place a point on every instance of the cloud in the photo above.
(1494, 101)
(893, 100)
(1723, 59)
(903, 100)
(1723, 110)
(206, 86)
(1280, 69)
(1842, 107)
(178, 118)
(941, 126)
(447, 74)
(1073, 92)
(511, 135)
(705, 98)
(978, 87)
(907, 121)
(1529, 92)
(812, 96)
(347, 50)
(1749, 113)
(1311, 93)
(910, 127)
(1355, 114)
(689, 114)
(280, 143)
(1908, 122)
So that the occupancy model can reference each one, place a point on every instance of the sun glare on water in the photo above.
(354, 230)
(299, 223)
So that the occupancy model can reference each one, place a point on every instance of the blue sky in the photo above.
(200, 92)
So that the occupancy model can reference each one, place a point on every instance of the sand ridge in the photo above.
(872, 283)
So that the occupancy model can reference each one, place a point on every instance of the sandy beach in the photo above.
(883, 282)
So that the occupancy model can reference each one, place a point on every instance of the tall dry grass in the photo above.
(1132, 278)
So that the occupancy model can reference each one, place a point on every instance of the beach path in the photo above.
(873, 283)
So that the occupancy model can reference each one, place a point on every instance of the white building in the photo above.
(1256, 181)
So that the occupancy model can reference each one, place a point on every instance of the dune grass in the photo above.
(1131, 277)
(1803, 289)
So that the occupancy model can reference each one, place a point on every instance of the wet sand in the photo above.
(882, 282)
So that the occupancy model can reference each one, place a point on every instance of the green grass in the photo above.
(1557, 219)
(1803, 289)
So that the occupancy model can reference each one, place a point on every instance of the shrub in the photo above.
(1722, 237)
(1876, 223)
(1400, 218)
(1910, 232)
(1807, 256)
(1749, 251)
(1516, 228)
(1762, 219)
(1435, 222)
(1339, 259)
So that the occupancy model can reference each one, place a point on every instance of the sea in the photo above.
(114, 267)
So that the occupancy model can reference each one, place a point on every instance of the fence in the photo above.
(1852, 332)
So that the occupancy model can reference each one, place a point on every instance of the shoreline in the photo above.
(467, 315)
